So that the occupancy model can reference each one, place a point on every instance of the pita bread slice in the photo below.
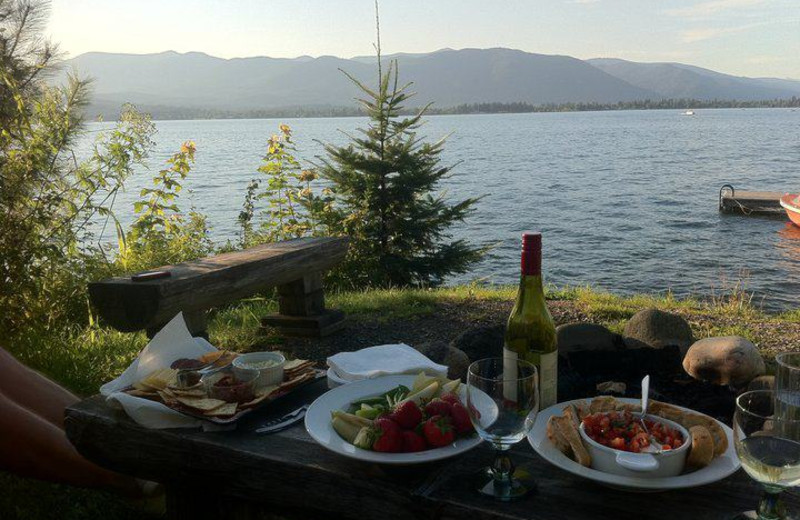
(203, 404)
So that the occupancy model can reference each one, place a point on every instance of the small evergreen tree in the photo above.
(381, 196)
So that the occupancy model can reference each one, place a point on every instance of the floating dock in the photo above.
(750, 202)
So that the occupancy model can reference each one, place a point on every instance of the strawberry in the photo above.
(412, 441)
(389, 436)
(407, 415)
(450, 397)
(438, 431)
(438, 407)
(460, 417)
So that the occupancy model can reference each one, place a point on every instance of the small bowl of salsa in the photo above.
(619, 444)
(232, 386)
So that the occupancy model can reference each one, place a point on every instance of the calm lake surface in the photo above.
(627, 201)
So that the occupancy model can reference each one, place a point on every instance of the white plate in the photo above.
(318, 422)
(721, 467)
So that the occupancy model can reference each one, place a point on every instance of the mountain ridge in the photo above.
(448, 77)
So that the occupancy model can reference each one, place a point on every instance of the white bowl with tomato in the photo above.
(618, 444)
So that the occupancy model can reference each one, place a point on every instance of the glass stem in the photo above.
(502, 469)
(770, 507)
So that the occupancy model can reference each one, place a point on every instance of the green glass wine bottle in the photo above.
(531, 334)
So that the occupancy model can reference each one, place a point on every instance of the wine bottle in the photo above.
(531, 334)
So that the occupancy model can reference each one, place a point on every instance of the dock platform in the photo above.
(750, 202)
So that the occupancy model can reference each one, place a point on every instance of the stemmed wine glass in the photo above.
(503, 399)
(787, 385)
(768, 447)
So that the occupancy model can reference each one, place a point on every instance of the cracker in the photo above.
(260, 397)
(204, 404)
(295, 363)
(291, 383)
(225, 409)
(147, 394)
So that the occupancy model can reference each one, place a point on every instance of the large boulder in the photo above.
(574, 337)
(728, 360)
(481, 342)
(657, 329)
(457, 361)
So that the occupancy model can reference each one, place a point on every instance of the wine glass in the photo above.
(767, 445)
(787, 385)
(503, 399)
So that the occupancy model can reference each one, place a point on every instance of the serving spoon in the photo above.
(645, 398)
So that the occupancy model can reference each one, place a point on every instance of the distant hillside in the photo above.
(676, 80)
(171, 84)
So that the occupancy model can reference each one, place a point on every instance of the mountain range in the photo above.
(195, 82)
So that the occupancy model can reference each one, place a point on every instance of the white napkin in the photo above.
(172, 342)
(383, 360)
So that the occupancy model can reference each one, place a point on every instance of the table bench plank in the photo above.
(288, 471)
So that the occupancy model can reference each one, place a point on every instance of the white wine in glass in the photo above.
(768, 447)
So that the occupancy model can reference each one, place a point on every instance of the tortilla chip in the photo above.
(204, 404)
(225, 409)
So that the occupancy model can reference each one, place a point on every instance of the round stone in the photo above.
(652, 328)
(728, 360)
(457, 362)
(481, 342)
(574, 337)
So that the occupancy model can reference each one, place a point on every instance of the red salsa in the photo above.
(623, 431)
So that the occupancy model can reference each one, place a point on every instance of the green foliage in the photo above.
(286, 191)
(49, 200)
(161, 235)
(381, 196)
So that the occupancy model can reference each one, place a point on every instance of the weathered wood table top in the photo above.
(234, 474)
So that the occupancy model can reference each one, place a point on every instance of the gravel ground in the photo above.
(449, 319)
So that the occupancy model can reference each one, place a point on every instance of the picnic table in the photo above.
(241, 474)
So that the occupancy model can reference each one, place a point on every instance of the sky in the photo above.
(757, 38)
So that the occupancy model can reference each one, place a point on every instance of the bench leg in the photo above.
(302, 312)
(196, 322)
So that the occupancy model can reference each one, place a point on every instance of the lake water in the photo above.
(627, 201)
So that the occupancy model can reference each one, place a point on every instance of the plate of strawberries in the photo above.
(400, 419)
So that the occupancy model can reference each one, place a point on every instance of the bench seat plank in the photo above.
(210, 282)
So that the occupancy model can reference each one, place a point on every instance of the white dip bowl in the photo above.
(668, 463)
(269, 364)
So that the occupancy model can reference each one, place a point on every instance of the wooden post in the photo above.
(302, 312)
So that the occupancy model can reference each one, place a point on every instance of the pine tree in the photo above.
(381, 194)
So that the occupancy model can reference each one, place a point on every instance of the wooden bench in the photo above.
(295, 267)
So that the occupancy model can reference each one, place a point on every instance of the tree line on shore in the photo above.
(162, 112)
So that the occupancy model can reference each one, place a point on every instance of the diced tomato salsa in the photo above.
(623, 431)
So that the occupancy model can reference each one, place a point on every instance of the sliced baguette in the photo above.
(567, 429)
(702, 450)
(603, 403)
(556, 438)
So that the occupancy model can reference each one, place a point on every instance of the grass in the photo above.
(82, 358)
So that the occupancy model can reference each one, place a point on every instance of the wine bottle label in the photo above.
(509, 373)
(548, 380)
